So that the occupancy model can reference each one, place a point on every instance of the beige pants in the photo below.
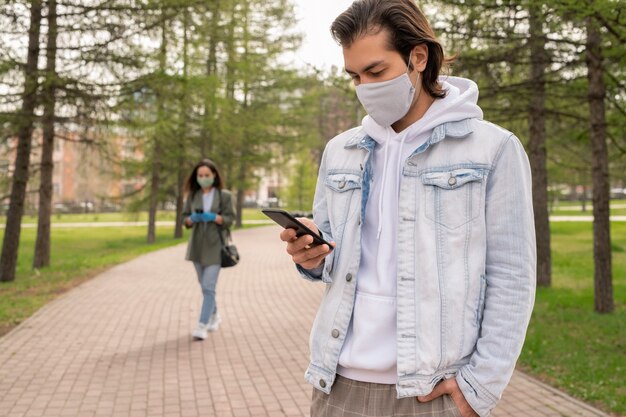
(350, 398)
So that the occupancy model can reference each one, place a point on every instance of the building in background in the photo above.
(90, 177)
(86, 177)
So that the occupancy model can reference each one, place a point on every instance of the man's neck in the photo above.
(416, 112)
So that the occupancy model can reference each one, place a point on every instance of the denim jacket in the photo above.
(466, 258)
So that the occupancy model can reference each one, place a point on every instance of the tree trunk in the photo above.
(154, 191)
(180, 174)
(210, 101)
(42, 244)
(10, 244)
(599, 172)
(157, 150)
(180, 201)
(537, 147)
(240, 194)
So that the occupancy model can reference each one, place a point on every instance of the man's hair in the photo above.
(407, 27)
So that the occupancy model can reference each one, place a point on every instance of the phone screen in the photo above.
(288, 221)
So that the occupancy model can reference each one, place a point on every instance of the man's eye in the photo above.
(376, 74)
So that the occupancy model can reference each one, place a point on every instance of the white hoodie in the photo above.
(369, 351)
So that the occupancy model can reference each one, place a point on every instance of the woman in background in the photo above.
(208, 212)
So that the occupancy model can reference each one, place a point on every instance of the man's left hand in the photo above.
(450, 387)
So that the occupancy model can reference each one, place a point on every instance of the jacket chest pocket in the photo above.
(342, 189)
(452, 198)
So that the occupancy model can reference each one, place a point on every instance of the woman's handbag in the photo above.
(229, 254)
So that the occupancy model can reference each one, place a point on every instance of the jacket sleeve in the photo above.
(227, 208)
(322, 221)
(511, 279)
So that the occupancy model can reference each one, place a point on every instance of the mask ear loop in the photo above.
(419, 76)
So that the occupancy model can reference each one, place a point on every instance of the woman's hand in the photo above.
(450, 387)
(188, 222)
(299, 247)
(195, 217)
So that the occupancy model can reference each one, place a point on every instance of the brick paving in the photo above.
(119, 345)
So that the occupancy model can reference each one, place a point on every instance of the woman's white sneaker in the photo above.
(201, 332)
(214, 322)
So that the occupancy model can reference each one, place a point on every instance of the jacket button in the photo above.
(349, 277)
(335, 333)
(342, 184)
(452, 181)
(322, 383)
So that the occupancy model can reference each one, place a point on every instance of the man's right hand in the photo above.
(308, 257)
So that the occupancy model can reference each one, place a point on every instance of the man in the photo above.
(431, 281)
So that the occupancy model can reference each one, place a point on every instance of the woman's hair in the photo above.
(407, 27)
(191, 186)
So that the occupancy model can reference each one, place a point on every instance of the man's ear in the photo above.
(419, 57)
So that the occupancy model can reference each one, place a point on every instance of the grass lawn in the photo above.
(248, 214)
(568, 345)
(77, 255)
(574, 208)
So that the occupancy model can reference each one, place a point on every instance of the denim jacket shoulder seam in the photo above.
(500, 151)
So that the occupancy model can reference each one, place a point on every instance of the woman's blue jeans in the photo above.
(207, 277)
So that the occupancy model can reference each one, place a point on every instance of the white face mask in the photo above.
(388, 101)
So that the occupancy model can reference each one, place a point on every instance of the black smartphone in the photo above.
(288, 221)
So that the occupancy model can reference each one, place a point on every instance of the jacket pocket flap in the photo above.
(449, 180)
(343, 182)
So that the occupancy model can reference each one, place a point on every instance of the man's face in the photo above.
(370, 59)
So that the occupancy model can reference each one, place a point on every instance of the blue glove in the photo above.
(209, 217)
(196, 217)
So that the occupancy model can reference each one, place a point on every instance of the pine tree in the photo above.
(42, 243)
(24, 122)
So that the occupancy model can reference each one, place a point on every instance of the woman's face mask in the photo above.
(205, 182)
(388, 101)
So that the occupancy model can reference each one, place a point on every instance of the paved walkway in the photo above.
(119, 345)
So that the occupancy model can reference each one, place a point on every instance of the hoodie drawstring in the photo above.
(382, 188)
(384, 180)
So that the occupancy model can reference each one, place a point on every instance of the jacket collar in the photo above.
(458, 129)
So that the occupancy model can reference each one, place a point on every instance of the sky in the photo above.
(318, 48)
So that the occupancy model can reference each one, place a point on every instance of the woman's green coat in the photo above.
(204, 243)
